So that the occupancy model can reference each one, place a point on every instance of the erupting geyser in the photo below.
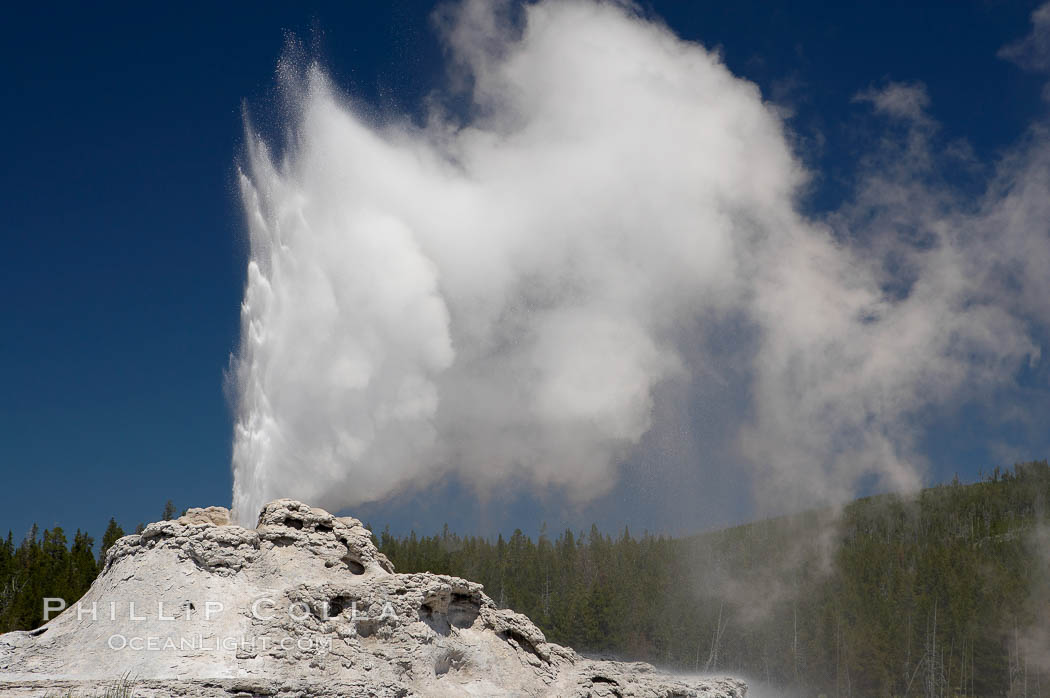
(502, 293)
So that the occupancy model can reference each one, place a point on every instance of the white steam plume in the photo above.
(502, 298)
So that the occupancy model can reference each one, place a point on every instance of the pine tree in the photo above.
(112, 534)
(83, 564)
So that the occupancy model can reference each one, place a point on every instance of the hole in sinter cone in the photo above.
(323, 528)
(352, 563)
(463, 610)
(354, 566)
(436, 621)
(338, 604)
(290, 522)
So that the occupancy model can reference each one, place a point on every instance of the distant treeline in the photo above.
(945, 594)
(47, 565)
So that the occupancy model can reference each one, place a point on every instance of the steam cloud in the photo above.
(502, 296)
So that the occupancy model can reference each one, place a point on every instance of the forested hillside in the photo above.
(947, 594)
(943, 595)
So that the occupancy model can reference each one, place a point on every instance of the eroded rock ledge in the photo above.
(303, 605)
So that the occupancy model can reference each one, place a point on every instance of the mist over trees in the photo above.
(945, 594)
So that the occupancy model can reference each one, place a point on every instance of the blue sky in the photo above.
(125, 247)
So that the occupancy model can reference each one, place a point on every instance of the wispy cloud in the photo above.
(1033, 51)
(902, 100)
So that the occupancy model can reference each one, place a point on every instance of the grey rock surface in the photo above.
(304, 605)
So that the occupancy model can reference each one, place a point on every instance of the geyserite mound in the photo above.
(304, 605)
